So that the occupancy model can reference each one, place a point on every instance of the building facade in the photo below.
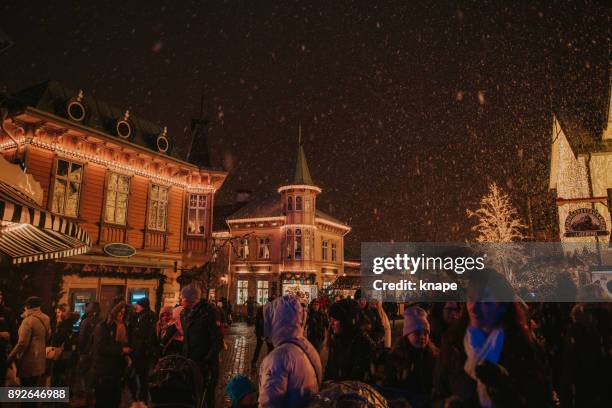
(281, 243)
(147, 210)
(581, 175)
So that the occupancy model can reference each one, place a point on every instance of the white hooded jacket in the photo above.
(292, 373)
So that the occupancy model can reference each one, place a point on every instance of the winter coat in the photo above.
(351, 355)
(411, 369)
(315, 326)
(143, 338)
(291, 374)
(528, 382)
(108, 358)
(586, 357)
(203, 340)
(370, 318)
(259, 323)
(86, 332)
(30, 349)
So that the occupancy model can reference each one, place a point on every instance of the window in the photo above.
(289, 241)
(326, 284)
(324, 250)
(298, 203)
(262, 292)
(244, 248)
(307, 204)
(242, 291)
(334, 252)
(307, 244)
(196, 219)
(263, 250)
(298, 243)
(117, 192)
(67, 188)
(158, 207)
(289, 203)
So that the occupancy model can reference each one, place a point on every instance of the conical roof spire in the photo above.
(302, 174)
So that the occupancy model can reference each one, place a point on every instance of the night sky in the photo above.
(407, 111)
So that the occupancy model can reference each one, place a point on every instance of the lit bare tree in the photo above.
(499, 223)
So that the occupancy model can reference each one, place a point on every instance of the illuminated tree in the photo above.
(499, 225)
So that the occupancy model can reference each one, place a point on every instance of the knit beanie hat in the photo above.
(239, 387)
(415, 319)
(191, 294)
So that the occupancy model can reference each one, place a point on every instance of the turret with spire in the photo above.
(298, 199)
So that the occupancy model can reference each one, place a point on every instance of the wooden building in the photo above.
(281, 242)
(581, 176)
(146, 208)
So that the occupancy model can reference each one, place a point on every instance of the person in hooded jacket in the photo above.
(291, 374)
(351, 351)
(203, 339)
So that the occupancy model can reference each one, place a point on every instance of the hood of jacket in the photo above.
(284, 319)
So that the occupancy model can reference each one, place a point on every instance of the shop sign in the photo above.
(585, 222)
(119, 250)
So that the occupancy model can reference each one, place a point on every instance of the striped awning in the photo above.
(28, 233)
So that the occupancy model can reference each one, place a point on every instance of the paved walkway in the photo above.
(240, 340)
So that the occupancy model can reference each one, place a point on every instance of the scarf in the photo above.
(478, 348)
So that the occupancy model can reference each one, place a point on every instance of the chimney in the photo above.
(198, 149)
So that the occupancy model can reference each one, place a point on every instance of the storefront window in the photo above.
(324, 250)
(158, 207)
(196, 222)
(67, 188)
(242, 291)
(262, 292)
(117, 191)
(334, 255)
(263, 251)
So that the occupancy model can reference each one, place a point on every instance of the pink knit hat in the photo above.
(415, 319)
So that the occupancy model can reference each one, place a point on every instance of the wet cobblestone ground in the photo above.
(240, 340)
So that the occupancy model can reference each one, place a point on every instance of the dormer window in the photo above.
(298, 203)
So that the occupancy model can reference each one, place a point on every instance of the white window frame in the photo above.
(243, 250)
(199, 211)
(153, 213)
(68, 181)
(263, 248)
(263, 291)
(242, 291)
(116, 200)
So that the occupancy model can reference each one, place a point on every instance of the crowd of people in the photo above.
(478, 353)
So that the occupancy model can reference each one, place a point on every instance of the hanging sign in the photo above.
(585, 222)
(119, 250)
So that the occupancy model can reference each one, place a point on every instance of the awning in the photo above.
(347, 282)
(28, 233)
